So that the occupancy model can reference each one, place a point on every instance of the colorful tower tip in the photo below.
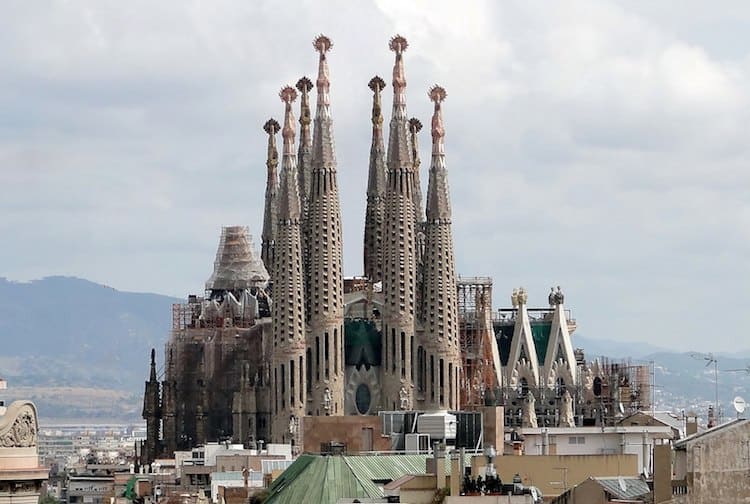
(398, 44)
(271, 126)
(415, 125)
(288, 94)
(322, 44)
(376, 83)
(437, 93)
(304, 84)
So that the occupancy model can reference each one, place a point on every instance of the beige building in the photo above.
(618, 440)
(21, 477)
(713, 466)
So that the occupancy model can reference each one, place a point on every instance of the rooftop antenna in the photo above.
(711, 359)
(745, 369)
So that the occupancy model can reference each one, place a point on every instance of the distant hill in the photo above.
(80, 350)
(684, 381)
(69, 332)
(594, 347)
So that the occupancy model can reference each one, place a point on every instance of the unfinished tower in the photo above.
(376, 183)
(399, 265)
(270, 213)
(325, 329)
(287, 379)
(441, 338)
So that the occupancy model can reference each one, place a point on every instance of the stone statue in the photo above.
(552, 298)
(529, 411)
(514, 298)
(559, 296)
(523, 297)
(566, 411)
(327, 398)
(403, 398)
(292, 425)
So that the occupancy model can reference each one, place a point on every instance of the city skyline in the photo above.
(603, 153)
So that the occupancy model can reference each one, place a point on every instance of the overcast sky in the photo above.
(598, 145)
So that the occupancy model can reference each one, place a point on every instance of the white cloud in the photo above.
(596, 145)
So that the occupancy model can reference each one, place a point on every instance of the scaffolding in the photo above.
(480, 360)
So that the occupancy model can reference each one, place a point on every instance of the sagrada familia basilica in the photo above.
(283, 336)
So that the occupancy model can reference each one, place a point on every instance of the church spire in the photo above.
(287, 397)
(152, 413)
(438, 200)
(399, 257)
(398, 45)
(322, 45)
(439, 293)
(304, 153)
(152, 375)
(324, 275)
(289, 204)
(399, 148)
(376, 185)
(270, 216)
(415, 126)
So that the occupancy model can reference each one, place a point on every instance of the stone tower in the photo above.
(376, 184)
(288, 317)
(440, 357)
(304, 152)
(270, 214)
(325, 318)
(399, 264)
(152, 413)
(304, 176)
(415, 126)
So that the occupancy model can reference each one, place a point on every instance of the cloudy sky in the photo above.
(599, 145)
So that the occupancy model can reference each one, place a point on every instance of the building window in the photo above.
(442, 382)
(308, 371)
(403, 355)
(317, 358)
(327, 361)
(432, 377)
(291, 383)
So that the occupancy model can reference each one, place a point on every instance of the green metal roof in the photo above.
(327, 478)
(313, 478)
(369, 469)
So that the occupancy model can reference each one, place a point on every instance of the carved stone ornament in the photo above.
(18, 428)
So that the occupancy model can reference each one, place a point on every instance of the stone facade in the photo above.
(714, 465)
(21, 476)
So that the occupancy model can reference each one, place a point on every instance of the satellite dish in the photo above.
(739, 405)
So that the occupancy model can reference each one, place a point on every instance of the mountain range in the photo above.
(80, 351)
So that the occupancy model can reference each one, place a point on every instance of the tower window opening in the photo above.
(327, 361)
